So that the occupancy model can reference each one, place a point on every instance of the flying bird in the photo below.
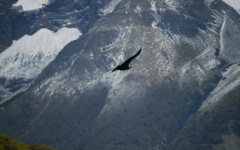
(125, 65)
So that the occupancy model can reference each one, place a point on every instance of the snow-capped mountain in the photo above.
(25, 59)
(28, 56)
(181, 92)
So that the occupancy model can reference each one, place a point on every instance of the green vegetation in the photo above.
(8, 143)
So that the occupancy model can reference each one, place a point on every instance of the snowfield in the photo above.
(109, 8)
(27, 57)
(28, 5)
(234, 4)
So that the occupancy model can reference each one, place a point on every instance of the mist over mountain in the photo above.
(182, 91)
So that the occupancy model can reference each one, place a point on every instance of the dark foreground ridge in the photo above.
(8, 143)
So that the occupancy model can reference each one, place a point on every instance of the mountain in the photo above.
(182, 91)
(21, 63)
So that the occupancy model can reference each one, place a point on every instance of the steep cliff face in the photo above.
(188, 65)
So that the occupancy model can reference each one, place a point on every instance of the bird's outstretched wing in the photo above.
(131, 58)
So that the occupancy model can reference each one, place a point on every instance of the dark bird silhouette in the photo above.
(125, 65)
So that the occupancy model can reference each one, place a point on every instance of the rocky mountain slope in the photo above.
(181, 93)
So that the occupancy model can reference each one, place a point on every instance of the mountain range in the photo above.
(182, 91)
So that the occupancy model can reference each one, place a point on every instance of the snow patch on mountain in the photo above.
(109, 8)
(229, 50)
(28, 5)
(235, 4)
(154, 9)
(222, 33)
(7, 95)
(27, 57)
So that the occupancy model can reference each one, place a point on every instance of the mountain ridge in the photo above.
(75, 104)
